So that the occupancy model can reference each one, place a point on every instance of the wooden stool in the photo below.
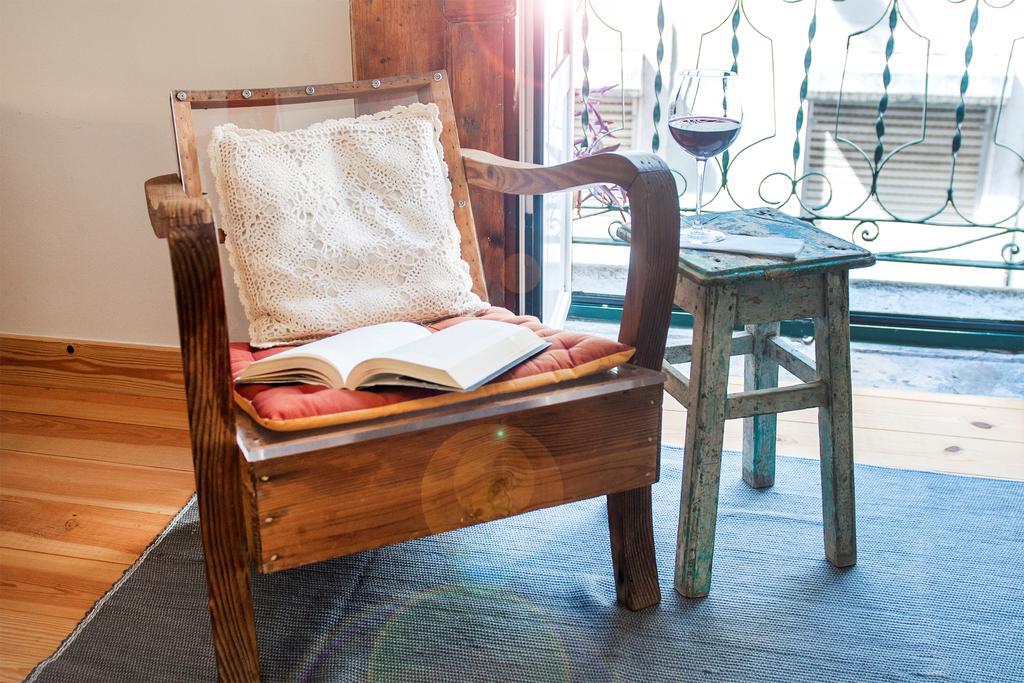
(724, 290)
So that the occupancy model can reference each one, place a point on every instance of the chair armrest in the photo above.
(169, 205)
(492, 172)
(654, 218)
(187, 225)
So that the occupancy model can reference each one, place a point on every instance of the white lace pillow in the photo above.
(343, 224)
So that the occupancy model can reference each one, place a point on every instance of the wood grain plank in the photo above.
(75, 530)
(914, 414)
(25, 639)
(95, 440)
(919, 451)
(77, 364)
(935, 397)
(53, 585)
(887, 448)
(81, 482)
(392, 37)
(104, 406)
(910, 417)
(478, 9)
(988, 424)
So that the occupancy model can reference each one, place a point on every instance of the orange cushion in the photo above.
(291, 407)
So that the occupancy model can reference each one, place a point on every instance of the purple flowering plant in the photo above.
(597, 137)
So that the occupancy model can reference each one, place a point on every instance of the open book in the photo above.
(458, 358)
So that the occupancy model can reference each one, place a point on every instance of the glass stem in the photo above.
(698, 224)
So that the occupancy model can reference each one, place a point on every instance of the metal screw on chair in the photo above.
(462, 203)
(264, 478)
(438, 76)
(181, 95)
(375, 83)
(247, 93)
(310, 90)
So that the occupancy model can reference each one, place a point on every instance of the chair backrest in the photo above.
(367, 96)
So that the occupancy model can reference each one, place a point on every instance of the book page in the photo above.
(469, 352)
(346, 350)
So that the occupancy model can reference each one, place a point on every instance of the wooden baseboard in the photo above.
(133, 369)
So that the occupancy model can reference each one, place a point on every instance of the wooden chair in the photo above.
(276, 500)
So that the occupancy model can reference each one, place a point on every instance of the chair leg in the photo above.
(702, 457)
(232, 617)
(631, 528)
(226, 554)
(759, 431)
(835, 425)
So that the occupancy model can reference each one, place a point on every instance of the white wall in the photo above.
(84, 121)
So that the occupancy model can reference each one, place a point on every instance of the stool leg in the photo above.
(760, 372)
(835, 424)
(705, 422)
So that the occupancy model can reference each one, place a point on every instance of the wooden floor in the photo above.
(88, 478)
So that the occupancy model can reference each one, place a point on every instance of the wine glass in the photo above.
(705, 118)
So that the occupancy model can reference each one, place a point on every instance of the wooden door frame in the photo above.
(397, 37)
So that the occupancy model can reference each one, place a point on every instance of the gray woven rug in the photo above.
(937, 595)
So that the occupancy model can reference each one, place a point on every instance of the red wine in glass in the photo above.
(704, 118)
(704, 136)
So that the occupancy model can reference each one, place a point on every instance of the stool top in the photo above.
(821, 251)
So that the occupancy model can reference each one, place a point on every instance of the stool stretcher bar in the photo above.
(786, 354)
(771, 401)
(755, 402)
(742, 344)
(811, 394)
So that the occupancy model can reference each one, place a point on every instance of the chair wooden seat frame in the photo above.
(272, 501)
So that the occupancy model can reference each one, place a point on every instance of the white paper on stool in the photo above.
(779, 247)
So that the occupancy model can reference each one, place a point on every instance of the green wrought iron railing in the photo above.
(804, 189)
